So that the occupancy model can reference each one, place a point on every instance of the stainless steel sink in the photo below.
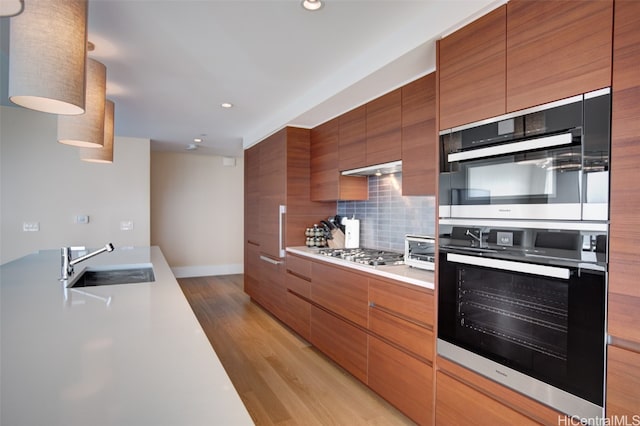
(126, 274)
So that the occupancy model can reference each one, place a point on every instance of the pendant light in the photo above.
(87, 130)
(48, 50)
(104, 154)
(9, 8)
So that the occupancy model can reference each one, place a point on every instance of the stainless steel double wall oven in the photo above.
(523, 233)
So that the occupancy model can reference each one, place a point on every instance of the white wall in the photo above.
(44, 181)
(197, 213)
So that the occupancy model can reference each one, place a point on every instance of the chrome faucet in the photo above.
(68, 263)
(478, 239)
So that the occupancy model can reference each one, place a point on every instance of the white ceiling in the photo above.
(171, 63)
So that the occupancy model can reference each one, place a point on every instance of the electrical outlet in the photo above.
(126, 225)
(30, 226)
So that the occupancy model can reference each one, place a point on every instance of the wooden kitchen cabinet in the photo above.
(463, 397)
(623, 356)
(471, 67)
(277, 174)
(403, 316)
(556, 49)
(419, 137)
(298, 295)
(252, 194)
(353, 139)
(384, 130)
(340, 291)
(327, 184)
(624, 231)
(272, 184)
(401, 379)
(459, 404)
(252, 269)
(623, 382)
(341, 341)
(273, 291)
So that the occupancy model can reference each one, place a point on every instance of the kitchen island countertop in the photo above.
(404, 273)
(129, 354)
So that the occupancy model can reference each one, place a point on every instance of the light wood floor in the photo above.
(280, 377)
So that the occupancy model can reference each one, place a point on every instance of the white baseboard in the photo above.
(207, 270)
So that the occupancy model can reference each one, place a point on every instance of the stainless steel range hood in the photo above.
(376, 170)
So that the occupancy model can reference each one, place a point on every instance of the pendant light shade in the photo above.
(11, 7)
(87, 130)
(104, 154)
(48, 49)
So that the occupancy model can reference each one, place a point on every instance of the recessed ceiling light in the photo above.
(312, 4)
(197, 140)
(226, 105)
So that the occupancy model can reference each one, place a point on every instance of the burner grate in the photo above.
(365, 256)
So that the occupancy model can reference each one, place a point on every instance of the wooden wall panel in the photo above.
(624, 264)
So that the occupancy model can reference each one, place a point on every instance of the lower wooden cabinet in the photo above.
(252, 270)
(459, 404)
(273, 291)
(623, 384)
(401, 379)
(344, 343)
(299, 315)
(298, 292)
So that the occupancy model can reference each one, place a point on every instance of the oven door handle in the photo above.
(526, 145)
(506, 265)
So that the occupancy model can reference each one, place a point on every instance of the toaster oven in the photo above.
(419, 252)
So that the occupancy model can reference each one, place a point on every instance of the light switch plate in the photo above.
(126, 225)
(30, 226)
(82, 219)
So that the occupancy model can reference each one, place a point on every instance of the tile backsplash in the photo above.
(386, 217)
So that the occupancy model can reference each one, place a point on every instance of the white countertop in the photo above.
(130, 354)
(404, 273)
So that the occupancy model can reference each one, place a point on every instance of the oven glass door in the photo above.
(543, 321)
(544, 184)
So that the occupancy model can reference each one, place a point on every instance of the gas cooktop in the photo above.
(365, 256)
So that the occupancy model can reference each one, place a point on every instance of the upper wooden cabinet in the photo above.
(471, 71)
(327, 184)
(384, 132)
(353, 139)
(556, 49)
(419, 137)
(523, 54)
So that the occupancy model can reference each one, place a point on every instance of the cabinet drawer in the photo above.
(459, 404)
(402, 380)
(623, 382)
(340, 341)
(299, 266)
(408, 335)
(298, 285)
(415, 305)
(341, 292)
(299, 315)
